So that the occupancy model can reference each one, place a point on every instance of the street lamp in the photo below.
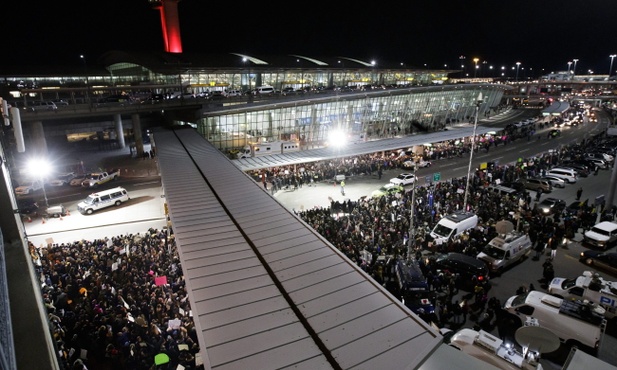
(337, 138)
(518, 65)
(473, 144)
(574, 70)
(83, 59)
(610, 69)
(569, 65)
(40, 168)
(475, 71)
(462, 59)
(248, 63)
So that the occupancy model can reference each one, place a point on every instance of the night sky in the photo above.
(542, 35)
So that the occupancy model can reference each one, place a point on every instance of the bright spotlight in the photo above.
(39, 167)
(337, 138)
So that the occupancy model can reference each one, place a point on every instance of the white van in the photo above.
(574, 322)
(568, 174)
(264, 90)
(505, 250)
(452, 226)
(103, 199)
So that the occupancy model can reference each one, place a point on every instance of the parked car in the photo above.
(387, 190)
(78, 179)
(537, 184)
(186, 95)
(288, 91)
(216, 95)
(600, 163)
(115, 100)
(598, 155)
(154, 98)
(581, 168)
(568, 174)
(36, 106)
(556, 182)
(233, 93)
(600, 260)
(28, 187)
(551, 206)
(62, 179)
(404, 179)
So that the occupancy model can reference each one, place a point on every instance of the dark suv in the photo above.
(27, 206)
(469, 269)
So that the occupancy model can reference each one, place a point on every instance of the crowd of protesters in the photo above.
(116, 303)
(381, 226)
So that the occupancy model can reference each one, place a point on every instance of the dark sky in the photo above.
(541, 34)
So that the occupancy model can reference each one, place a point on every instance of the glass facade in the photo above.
(400, 112)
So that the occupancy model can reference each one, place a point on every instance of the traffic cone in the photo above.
(43, 218)
(28, 218)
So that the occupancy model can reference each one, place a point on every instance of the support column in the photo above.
(119, 131)
(38, 143)
(139, 142)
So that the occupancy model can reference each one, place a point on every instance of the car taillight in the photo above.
(480, 278)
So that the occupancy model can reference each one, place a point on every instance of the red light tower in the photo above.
(169, 23)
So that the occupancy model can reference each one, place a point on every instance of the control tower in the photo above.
(169, 23)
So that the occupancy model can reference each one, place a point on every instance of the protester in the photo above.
(117, 302)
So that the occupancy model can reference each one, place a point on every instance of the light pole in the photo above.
(40, 168)
(475, 68)
(412, 226)
(83, 58)
(610, 69)
(248, 77)
(574, 70)
(473, 142)
(569, 66)
(518, 65)
(462, 59)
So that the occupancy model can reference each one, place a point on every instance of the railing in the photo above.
(7, 349)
